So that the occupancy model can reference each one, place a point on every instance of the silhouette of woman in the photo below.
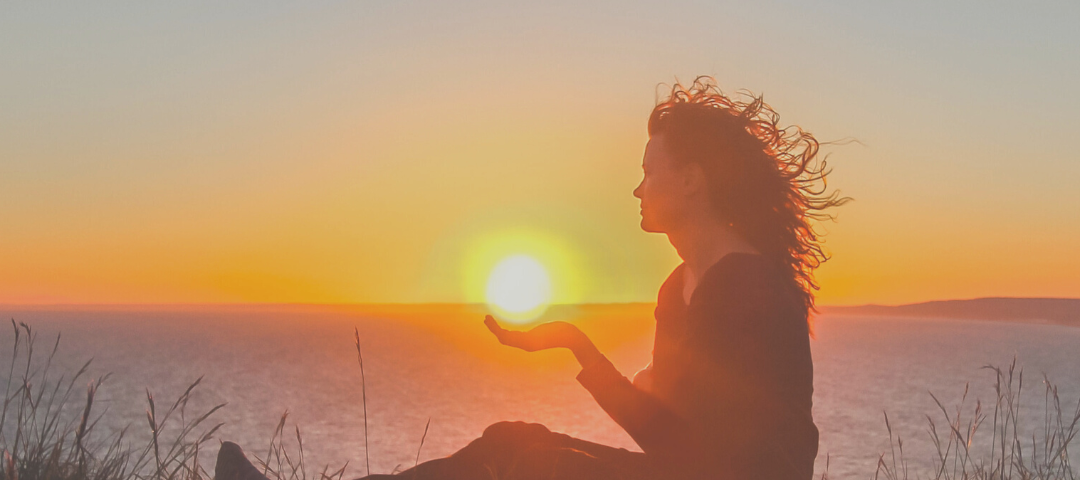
(728, 392)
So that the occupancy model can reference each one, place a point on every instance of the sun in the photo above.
(518, 288)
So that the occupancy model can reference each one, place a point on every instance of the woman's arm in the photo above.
(656, 429)
(586, 352)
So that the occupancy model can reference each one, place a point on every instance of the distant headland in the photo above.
(1057, 311)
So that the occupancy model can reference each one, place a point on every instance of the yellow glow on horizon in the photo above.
(519, 272)
(519, 289)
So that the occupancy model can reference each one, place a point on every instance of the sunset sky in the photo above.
(362, 151)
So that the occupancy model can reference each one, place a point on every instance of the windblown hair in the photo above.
(766, 181)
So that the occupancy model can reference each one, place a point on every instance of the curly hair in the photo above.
(767, 182)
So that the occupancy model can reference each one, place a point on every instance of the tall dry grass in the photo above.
(48, 428)
(1014, 450)
(280, 464)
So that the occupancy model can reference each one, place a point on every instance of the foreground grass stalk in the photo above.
(363, 398)
(417, 462)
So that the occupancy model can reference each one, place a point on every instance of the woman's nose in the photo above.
(637, 190)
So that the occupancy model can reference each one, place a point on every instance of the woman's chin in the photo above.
(649, 227)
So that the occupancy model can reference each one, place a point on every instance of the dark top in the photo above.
(731, 381)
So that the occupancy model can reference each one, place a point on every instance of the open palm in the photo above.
(541, 337)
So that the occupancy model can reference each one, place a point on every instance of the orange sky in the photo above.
(355, 153)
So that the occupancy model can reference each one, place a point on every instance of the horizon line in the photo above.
(158, 305)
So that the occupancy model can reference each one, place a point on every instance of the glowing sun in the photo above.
(519, 288)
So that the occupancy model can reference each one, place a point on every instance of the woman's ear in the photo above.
(694, 179)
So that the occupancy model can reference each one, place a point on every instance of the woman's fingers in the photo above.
(492, 325)
(500, 333)
(513, 338)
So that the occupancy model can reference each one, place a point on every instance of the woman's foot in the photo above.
(233, 465)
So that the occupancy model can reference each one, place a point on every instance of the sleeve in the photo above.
(656, 429)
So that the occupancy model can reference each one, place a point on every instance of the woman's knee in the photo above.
(516, 432)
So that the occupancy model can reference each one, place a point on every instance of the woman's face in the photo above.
(664, 190)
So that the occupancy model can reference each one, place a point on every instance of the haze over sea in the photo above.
(439, 362)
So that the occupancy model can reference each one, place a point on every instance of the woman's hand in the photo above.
(549, 335)
(542, 337)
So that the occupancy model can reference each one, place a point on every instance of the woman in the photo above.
(728, 392)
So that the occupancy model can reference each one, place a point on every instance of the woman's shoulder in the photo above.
(739, 273)
(739, 280)
(734, 271)
(747, 286)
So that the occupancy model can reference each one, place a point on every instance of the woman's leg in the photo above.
(525, 451)
(506, 451)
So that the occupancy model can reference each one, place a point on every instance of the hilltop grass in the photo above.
(962, 449)
(47, 429)
(47, 432)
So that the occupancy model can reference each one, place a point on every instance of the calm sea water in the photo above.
(444, 366)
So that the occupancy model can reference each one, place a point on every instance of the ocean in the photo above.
(438, 363)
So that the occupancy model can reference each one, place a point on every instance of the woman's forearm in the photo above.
(587, 354)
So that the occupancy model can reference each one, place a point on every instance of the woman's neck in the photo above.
(702, 244)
